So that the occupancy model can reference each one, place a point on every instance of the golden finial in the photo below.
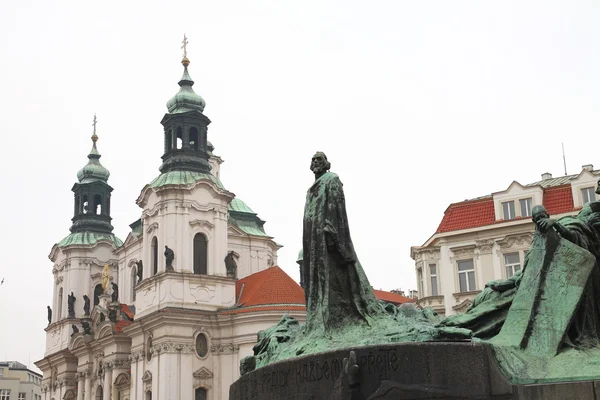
(94, 136)
(185, 60)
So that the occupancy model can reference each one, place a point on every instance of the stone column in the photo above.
(106, 390)
(80, 382)
(88, 386)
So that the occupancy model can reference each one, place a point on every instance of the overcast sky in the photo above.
(417, 104)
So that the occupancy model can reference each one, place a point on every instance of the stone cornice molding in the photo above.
(462, 252)
(172, 347)
(485, 246)
(151, 228)
(522, 240)
(227, 348)
(202, 222)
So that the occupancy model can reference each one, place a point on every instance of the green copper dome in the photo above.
(186, 99)
(93, 171)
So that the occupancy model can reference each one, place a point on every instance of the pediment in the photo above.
(462, 306)
(235, 231)
(203, 373)
(131, 238)
(147, 376)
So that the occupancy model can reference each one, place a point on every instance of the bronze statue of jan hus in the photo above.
(337, 290)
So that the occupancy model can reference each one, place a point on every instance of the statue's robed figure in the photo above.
(337, 290)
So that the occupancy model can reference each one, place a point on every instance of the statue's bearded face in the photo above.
(318, 163)
(539, 215)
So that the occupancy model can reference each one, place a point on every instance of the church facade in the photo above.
(169, 312)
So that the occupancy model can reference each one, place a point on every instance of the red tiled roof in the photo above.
(391, 297)
(468, 214)
(480, 212)
(270, 286)
(243, 310)
(558, 199)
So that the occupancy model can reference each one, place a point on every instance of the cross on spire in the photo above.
(184, 45)
(94, 124)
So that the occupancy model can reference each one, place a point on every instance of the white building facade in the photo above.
(486, 239)
(162, 318)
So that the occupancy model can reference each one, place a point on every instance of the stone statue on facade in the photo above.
(86, 305)
(231, 265)
(87, 330)
(115, 293)
(102, 317)
(75, 329)
(112, 315)
(49, 315)
(71, 305)
(169, 257)
(139, 271)
(105, 278)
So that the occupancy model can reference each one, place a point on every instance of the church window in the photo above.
(99, 393)
(466, 275)
(133, 281)
(179, 137)
(200, 394)
(154, 255)
(4, 394)
(97, 204)
(97, 292)
(149, 349)
(148, 395)
(60, 304)
(200, 254)
(201, 345)
(194, 139)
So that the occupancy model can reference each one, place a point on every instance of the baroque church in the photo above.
(169, 312)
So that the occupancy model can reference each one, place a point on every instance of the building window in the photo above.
(21, 396)
(512, 264)
(508, 210)
(200, 394)
(149, 349)
(200, 254)
(4, 394)
(525, 207)
(420, 282)
(588, 195)
(433, 278)
(466, 275)
(201, 345)
(154, 255)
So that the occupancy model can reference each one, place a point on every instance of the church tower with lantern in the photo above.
(191, 285)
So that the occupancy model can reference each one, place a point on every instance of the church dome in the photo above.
(186, 99)
(93, 170)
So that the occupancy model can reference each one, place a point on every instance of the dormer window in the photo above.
(526, 207)
(508, 210)
(588, 195)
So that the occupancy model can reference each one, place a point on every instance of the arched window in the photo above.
(200, 394)
(154, 255)
(97, 292)
(59, 306)
(149, 349)
(148, 395)
(194, 139)
(97, 204)
(201, 345)
(200, 254)
(85, 205)
(179, 138)
(99, 393)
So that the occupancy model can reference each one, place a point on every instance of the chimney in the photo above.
(588, 167)
(546, 175)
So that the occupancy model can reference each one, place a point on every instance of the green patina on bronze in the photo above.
(543, 323)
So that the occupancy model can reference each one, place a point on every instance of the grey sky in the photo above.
(416, 103)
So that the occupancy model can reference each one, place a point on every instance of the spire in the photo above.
(186, 99)
(93, 170)
(92, 194)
